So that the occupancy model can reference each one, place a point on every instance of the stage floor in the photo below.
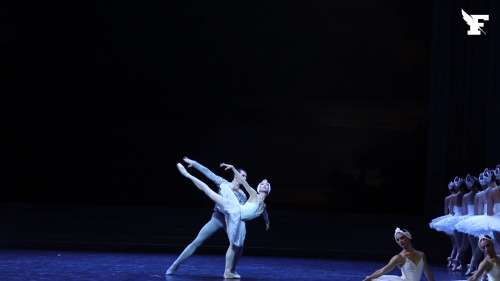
(24, 265)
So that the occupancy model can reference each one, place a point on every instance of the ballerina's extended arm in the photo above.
(397, 259)
(251, 192)
(484, 266)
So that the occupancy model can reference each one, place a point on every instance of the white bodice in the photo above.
(494, 273)
(251, 210)
(411, 271)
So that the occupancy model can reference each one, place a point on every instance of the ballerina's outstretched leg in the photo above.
(201, 185)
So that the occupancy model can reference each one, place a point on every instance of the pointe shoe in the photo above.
(457, 267)
(231, 275)
(470, 270)
(171, 270)
(450, 262)
(181, 169)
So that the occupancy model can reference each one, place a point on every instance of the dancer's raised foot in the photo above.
(183, 170)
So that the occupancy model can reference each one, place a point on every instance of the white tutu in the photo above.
(475, 225)
(409, 272)
(435, 220)
(231, 208)
(447, 225)
(495, 223)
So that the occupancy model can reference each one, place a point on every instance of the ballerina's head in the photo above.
(469, 181)
(264, 188)
(403, 238)
(486, 245)
(451, 187)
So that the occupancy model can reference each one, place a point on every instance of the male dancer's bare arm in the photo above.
(205, 171)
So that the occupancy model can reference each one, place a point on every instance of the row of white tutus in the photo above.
(433, 223)
(479, 225)
(447, 223)
(468, 224)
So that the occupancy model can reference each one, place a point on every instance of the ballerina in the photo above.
(447, 225)
(448, 211)
(491, 263)
(411, 262)
(493, 209)
(217, 222)
(479, 224)
(235, 214)
(469, 202)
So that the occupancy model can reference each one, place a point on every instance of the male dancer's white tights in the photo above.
(233, 253)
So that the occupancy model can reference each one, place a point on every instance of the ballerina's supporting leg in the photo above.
(462, 246)
(453, 251)
(201, 185)
(476, 255)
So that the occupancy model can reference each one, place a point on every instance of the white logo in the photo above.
(474, 24)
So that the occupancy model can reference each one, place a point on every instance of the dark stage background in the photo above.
(358, 112)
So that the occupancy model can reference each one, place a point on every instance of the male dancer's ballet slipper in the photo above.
(231, 275)
(171, 270)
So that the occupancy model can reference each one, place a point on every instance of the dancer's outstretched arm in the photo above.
(251, 192)
(427, 270)
(397, 259)
(205, 171)
(484, 266)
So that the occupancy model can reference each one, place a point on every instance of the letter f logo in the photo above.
(474, 24)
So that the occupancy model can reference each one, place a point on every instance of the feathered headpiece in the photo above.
(402, 232)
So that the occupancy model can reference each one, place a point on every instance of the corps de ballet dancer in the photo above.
(493, 206)
(479, 224)
(235, 214)
(216, 223)
(411, 262)
(448, 211)
(470, 203)
(447, 225)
